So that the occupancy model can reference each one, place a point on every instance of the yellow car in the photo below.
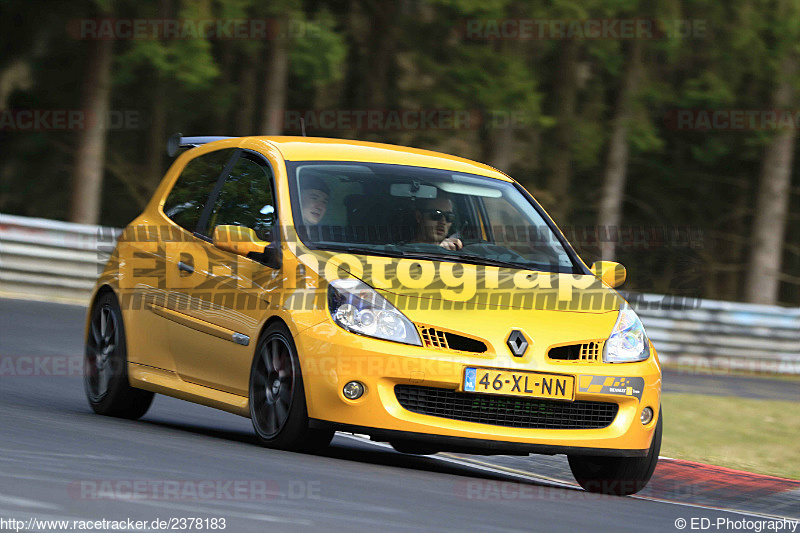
(321, 285)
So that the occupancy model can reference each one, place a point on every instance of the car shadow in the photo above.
(344, 449)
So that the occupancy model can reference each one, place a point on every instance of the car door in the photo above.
(223, 300)
(148, 276)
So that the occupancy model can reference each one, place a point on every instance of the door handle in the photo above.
(183, 267)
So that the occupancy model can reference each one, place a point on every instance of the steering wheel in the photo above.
(466, 228)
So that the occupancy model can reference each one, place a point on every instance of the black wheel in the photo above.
(106, 365)
(277, 396)
(413, 448)
(620, 476)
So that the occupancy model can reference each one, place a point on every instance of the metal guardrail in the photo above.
(61, 261)
(722, 336)
(50, 259)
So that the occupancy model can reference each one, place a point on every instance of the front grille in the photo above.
(433, 338)
(588, 352)
(444, 340)
(528, 413)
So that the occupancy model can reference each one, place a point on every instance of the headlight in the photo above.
(628, 341)
(358, 308)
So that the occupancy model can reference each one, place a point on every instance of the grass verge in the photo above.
(746, 434)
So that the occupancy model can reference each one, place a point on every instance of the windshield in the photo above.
(403, 211)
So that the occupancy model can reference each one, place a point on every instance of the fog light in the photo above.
(647, 416)
(353, 390)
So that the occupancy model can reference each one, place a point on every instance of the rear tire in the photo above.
(277, 395)
(619, 476)
(106, 365)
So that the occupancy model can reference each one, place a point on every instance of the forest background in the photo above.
(659, 134)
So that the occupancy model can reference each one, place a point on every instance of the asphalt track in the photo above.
(58, 460)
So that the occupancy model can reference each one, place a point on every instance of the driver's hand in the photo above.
(451, 243)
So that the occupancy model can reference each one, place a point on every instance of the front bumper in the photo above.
(331, 357)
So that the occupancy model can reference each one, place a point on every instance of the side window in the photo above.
(246, 199)
(186, 200)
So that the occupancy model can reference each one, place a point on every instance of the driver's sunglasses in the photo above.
(439, 215)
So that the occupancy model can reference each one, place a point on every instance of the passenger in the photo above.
(314, 196)
(434, 218)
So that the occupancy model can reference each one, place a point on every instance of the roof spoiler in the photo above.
(177, 141)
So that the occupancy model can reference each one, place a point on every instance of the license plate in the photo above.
(529, 384)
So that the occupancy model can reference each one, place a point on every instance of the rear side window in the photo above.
(185, 202)
(246, 199)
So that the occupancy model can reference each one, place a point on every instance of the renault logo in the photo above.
(517, 343)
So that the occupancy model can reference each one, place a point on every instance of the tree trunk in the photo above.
(616, 169)
(355, 70)
(772, 205)
(276, 91)
(227, 61)
(248, 86)
(382, 46)
(560, 165)
(158, 134)
(499, 143)
(158, 127)
(90, 153)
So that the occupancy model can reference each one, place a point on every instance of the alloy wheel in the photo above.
(273, 385)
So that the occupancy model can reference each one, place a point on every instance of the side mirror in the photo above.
(244, 241)
(238, 239)
(613, 274)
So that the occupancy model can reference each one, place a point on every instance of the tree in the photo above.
(275, 87)
(782, 28)
(566, 89)
(285, 15)
(90, 152)
(171, 65)
(772, 205)
(490, 78)
(615, 175)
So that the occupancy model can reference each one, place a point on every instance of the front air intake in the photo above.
(515, 412)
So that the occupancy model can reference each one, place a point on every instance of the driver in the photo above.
(434, 218)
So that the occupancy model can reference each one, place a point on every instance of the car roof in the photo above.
(325, 149)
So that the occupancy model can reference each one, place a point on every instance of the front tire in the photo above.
(106, 365)
(619, 476)
(277, 395)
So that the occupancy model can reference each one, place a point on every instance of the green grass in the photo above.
(760, 436)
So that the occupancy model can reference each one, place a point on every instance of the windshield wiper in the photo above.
(359, 250)
(454, 257)
(471, 258)
(498, 262)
